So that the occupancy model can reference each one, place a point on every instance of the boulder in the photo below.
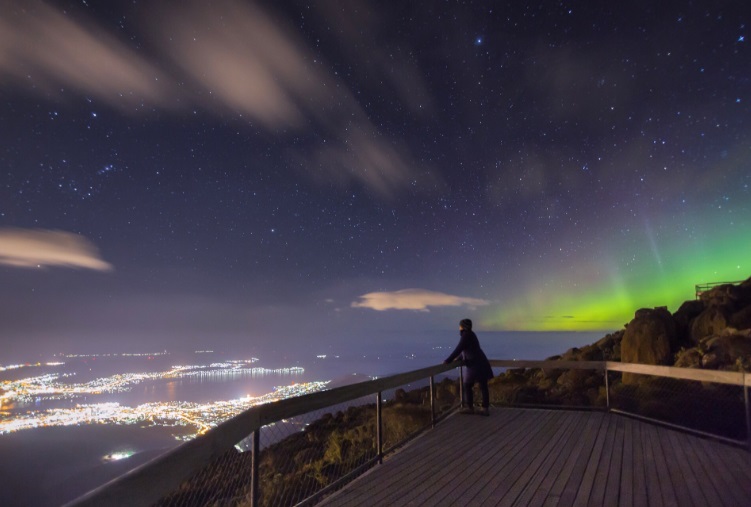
(683, 317)
(730, 351)
(742, 318)
(711, 321)
(689, 358)
(610, 346)
(722, 295)
(649, 339)
(730, 297)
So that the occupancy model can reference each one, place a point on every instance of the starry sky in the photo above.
(233, 174)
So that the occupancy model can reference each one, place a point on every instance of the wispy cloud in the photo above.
(235, 56)
(44, 50)
(27, 248)
(262, 68)
(414, 299)
(228, 58)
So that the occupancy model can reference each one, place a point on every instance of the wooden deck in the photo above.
(555, 458)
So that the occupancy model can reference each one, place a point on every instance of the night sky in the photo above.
(232, 175)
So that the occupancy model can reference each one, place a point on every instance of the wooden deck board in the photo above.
(542, 491)
(581, 492)
(578, 470)
(654, 493)
(504, 490)
(472, 462)
(551, 457)
(667, 486)
(709, 489)
(435, 475)
(740, 462)
(498, 471)
(541, 480)
(609, 463)
(740, 465)
(682, 473)
(722, 471)
(626, 485)
(590, 428)
(639, 491)
(613, 488)
(401, 466)
(599, 467)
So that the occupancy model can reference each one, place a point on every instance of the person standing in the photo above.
(478, 368)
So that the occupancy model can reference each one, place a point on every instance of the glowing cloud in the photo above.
(40, 248)
(413, 299)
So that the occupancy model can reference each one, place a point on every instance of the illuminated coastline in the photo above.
(199, 417)
(52, 386)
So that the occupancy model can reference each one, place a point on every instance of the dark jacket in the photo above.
(477, 363)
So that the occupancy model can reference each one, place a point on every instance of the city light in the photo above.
(200, 417)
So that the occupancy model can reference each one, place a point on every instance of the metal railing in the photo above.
(150, 483)
(704, 287)
(624, 388)
(676, 397)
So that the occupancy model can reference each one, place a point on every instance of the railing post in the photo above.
(254, 492)
(607, 388)
(748, 415)
(432, 402)
(379, 426)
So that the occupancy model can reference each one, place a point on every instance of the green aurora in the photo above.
(603, 296)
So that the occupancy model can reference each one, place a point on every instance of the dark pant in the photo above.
(469, 395)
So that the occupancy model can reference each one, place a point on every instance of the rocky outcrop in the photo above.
(741, 319)
(711, 332)
(731, 348)
(650, 338)
(685, 315)
(712, 320)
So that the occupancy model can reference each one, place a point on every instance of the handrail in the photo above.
(562, 365)
(701, 288)
(717, 376)
(178, 464)
(138, 486)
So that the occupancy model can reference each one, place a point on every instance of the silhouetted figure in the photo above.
(478, 368)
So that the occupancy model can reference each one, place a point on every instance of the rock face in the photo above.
(711, 332)
(685, 315)
(733, 348)
(711, 321)
(649, 338)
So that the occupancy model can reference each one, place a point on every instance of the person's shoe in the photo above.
(466, 411)
(483, 411)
